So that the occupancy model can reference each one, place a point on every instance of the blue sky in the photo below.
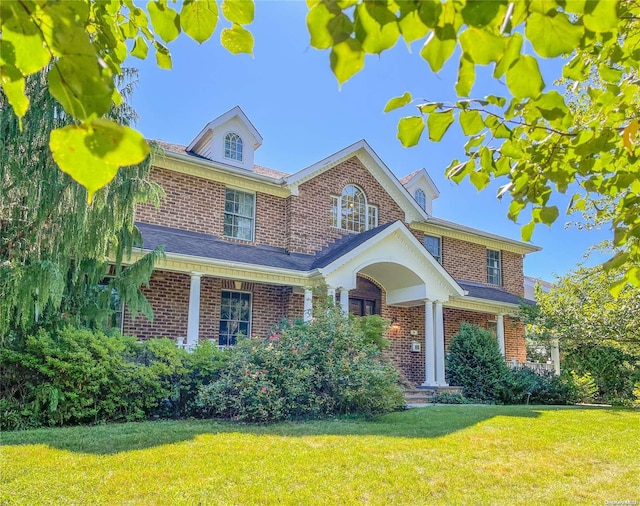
(293, 99)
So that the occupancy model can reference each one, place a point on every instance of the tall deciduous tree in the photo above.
(54, 246)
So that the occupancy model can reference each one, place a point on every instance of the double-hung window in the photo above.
(235, 317)
(434, 246)
(239, 214)
(494, 270)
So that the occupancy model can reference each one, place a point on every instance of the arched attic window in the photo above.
(421, 198)
(350, 210)
(233, 146)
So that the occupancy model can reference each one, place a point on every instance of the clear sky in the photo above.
(289, 93)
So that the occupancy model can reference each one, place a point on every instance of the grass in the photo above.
(439, 455)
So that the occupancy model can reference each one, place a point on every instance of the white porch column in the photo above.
(308, 305)
(555, 356)
(500, 334)
(439, 317)
(193, 321)
(344, 301)
(429, 347)
(331, 295)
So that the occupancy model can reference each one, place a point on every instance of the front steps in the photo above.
(421, 396)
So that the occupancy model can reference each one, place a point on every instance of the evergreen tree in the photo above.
(55, 247)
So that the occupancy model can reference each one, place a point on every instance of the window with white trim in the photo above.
(233, 146)
(239, 214)
(350, 211)
(421, 198)
(235, 316)
(434, 246)
(494, 270)
(115, 319)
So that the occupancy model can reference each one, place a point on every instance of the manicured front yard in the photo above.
(440, 455)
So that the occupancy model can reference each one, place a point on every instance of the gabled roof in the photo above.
(375, 166)
(421, 175)
(224, 118)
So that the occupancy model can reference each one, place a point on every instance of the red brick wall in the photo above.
(310, 211)
(197, 205)
(168, 294)
(464, 260)
(513, 273)
(515, 345)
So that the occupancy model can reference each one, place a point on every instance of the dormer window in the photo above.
(233, 146)
(350, 210)
(421, 198)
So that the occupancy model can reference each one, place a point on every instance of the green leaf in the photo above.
(92, 153)
(410, 130)
(410, 24)
(78, 85)
(140, 48)
(165, 20)
(439, 47)
(602, 18)
(397, 102)
(199, 18)
(13, 87)
(318, 19)
(481, 46)
(237, 39)
(524, 79)
(553, 35)
(471, 122)
(238, 11)
(439, 123)
(480, 13)
(510, 55)
(163, 57)
(545, 214)
(466, 76)
(479, 179)
(552, 107)
(21, 34)
(429, 12)
(527, 231)
(346, 59)
(575, 69)
(376, 27)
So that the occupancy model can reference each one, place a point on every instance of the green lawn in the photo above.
(439, 455)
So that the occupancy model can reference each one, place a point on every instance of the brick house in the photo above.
(246, 245)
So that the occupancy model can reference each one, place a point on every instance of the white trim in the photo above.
(223, 118)
(439, 322)
(429, 346)
(250, 313)
(224, 146)
(308, 305)
(373, 163)
(253, 218)
(500, 334)
(430, 184)
(193, 317)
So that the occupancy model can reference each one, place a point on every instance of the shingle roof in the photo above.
(404, 180)
(208, 246)
(182, 150)
(482, 291)
(196, 244)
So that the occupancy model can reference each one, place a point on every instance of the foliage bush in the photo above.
(76, 376)
(304, 370)
(475, 363)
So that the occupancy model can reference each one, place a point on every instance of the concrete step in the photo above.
(423, 395)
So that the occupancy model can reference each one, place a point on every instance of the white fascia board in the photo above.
(463, 228)
(359, 149)
(397, 226)
(223, 118)
(222, 166)
(422, 174)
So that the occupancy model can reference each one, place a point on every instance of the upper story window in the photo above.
(421, 198)
(350, 210)
(434, 246)
(494, 269)
(239, 214)
(233, 146)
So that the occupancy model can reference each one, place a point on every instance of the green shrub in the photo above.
(304, 370)
(475, 363)
(584, 387)
(448, 398)
(524, 386)
(82, 376)
(614, 371)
